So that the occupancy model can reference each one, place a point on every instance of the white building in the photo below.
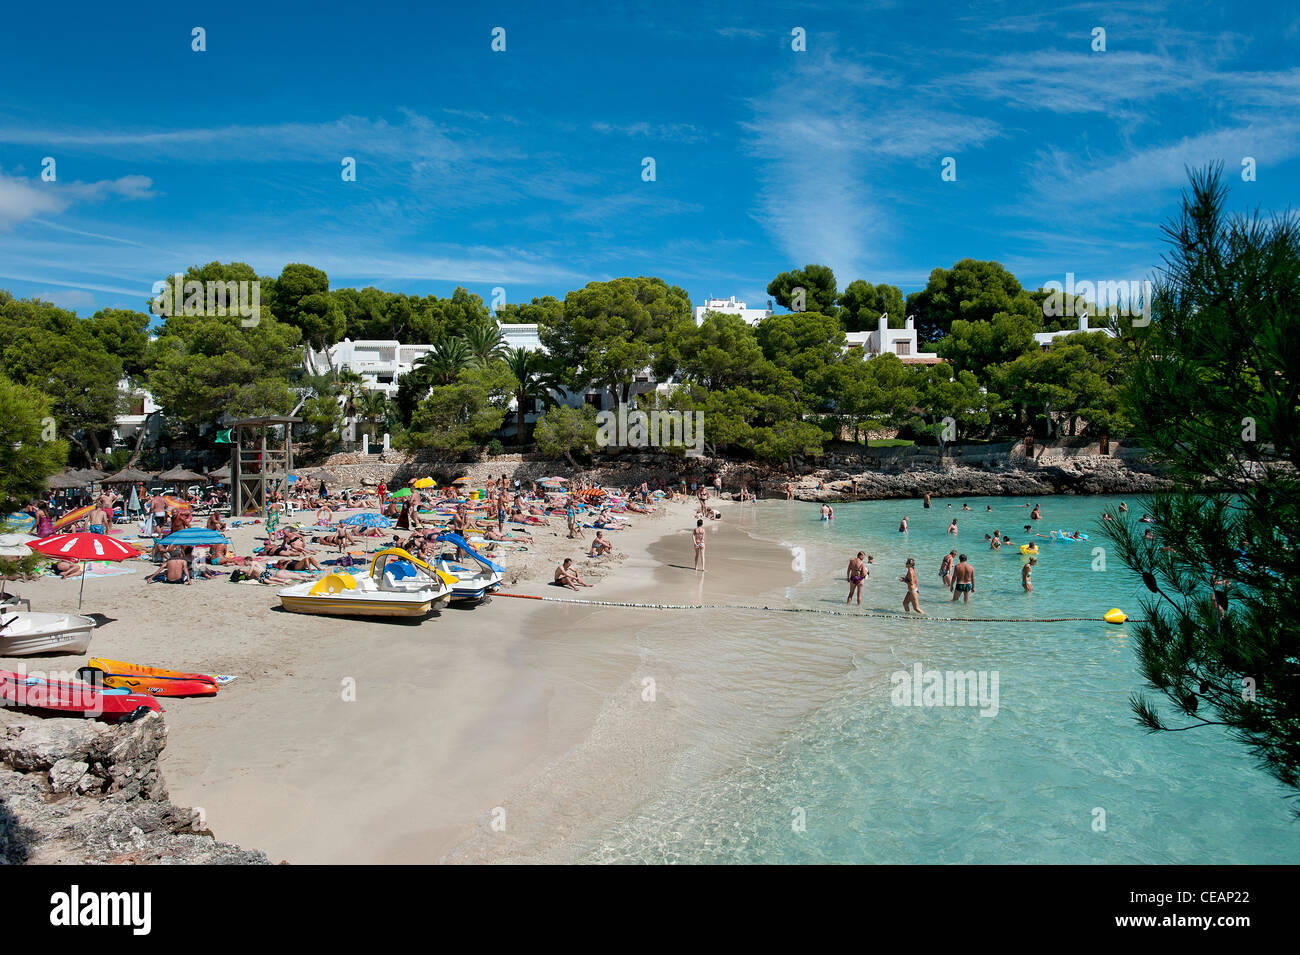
(729, 306)
(139, 406)
(891, 341)
(1043, 339)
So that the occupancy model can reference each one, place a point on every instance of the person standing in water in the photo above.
(1035, 514)
(925, 501)
(952, 528)
(963, 580)
(902, 526)
(1024, 575)
(857, 573)
(698, 535)
(945, 568)
(909, 578)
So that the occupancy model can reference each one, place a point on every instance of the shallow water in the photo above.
(791, 749)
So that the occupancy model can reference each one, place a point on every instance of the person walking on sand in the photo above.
(1024, 575)
(857, 573)
(945, 568)
(698, 535)
(963, 580)
(717, 485)
(909, 578)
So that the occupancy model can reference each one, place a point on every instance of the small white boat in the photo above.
(476, 577)
(399, 585)
(25, 634)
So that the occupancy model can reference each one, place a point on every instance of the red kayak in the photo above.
(72, 699)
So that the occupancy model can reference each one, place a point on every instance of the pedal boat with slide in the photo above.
(398, 585)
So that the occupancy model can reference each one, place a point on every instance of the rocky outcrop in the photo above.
(1078, 475)
(80, 791)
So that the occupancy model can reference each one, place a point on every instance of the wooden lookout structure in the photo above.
(260, 461)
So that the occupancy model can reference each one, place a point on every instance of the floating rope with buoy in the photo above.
(833, 613)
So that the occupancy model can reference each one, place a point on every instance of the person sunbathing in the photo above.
(302, 562)
(566, 575)
(341, 538)
(600, 546)
(68, 568)
(493, 534)
(270, 574)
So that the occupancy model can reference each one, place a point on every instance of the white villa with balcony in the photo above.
(891, 341)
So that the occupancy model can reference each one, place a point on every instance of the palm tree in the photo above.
(486, 342)
(447, 360)
(534, 381)
(373, 408)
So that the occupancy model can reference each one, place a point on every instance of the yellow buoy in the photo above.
(1115, 615)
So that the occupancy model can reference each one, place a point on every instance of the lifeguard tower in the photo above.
(261, 457)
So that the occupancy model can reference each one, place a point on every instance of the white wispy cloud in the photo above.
(22, 198)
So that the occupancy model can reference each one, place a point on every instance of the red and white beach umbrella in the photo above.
(84, 546)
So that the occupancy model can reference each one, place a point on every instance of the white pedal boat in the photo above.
(399, 585)
(24, 634)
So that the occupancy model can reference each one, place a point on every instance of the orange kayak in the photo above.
(156, 681)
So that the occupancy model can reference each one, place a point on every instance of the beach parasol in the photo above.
(176, 502)
(66, 481)
(462, 480)
(83, 547)
(425, 482)
(182, 475)
(73, 516)
(12, 545)
(221, 474)
(127, 476)
(90, 475)
(368, 520)
(194, 537)
(401, 492)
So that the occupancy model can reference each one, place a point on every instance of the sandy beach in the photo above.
(502, 731)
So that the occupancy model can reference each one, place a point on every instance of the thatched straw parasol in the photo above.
(128, 476)
(183, 476)
(65, 481)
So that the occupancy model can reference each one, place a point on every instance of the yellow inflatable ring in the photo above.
(1030, 549)
(1115, 616)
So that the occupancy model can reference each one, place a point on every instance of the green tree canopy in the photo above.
(818, 283)
(862, 304)
(974, 291)
(609, 331)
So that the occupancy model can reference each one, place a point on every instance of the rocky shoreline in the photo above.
(1000, 470)
(75, 791)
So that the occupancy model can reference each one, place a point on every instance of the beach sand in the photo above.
(506, 731)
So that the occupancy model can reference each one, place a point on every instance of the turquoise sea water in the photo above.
(809, 735)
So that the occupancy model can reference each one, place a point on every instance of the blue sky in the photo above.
(522, 169)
